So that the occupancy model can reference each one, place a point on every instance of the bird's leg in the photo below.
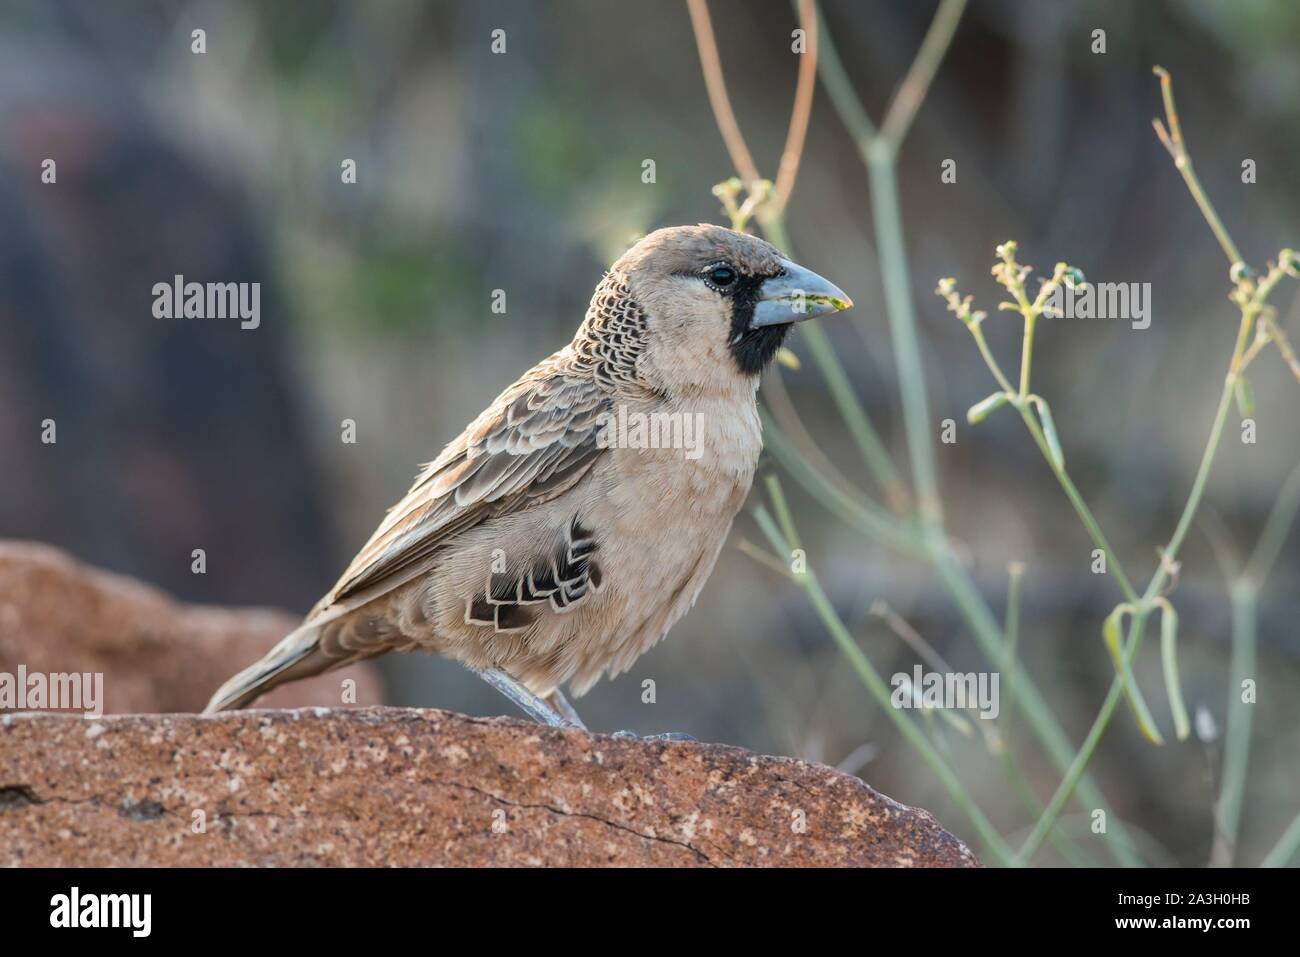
(555, 709)
(533, 706)
(561, 705)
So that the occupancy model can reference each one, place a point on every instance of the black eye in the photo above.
(721, 275)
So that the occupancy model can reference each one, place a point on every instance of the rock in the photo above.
(367, 786)
(396, 786)
(156, 655)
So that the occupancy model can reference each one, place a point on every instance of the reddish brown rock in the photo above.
(385, 786)
(367, 786)
(156, 655)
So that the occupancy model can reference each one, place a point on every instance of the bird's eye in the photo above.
(721, 275)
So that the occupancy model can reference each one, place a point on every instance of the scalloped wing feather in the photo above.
(537, 440)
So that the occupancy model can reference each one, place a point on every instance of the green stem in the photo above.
(1183, 162)
(1027, 353)
(1207, 462)
(1016, 575)
(879, 154)
(911, 92)
(1158, 581)
(840, 89)
(1022, 402)
(989, 360)
(870, 519)
(1032, 704)
(1080, 506)
(782, 508)
(882, 527)
(1236, 741)
(855, 417)
(1286, 847)
(902, 326)
(846, 399)
(1035, 807)
(879, 690)
(1073, 776)
(1276, 529)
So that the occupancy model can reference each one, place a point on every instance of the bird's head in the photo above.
(717, 303)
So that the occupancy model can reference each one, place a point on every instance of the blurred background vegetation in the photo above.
(522, 172)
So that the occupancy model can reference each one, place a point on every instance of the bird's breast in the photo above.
(672, 491)
(700, 452)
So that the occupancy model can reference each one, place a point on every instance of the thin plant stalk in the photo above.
(1136, 629)
(1236, 739)
(1172, 139)
(1015, 578)
(879, 690)
(1286, 847)
(880, 155)
(846, 401)
(881, 159)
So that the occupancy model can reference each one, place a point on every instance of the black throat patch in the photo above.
(752, 349)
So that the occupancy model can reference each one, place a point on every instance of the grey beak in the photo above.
(797, 295)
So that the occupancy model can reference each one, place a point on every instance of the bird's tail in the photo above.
(298, 655)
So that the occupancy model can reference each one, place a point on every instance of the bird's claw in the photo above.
(665, 736)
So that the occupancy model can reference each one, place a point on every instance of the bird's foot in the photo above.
(560, 704)
(555, 709)
(665, 736)
(556, 713)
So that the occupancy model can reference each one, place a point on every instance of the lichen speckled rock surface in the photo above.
(393, 786)
(58, 615)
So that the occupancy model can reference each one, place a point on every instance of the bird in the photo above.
(560, 535)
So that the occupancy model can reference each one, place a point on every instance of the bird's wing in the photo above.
(533, 443)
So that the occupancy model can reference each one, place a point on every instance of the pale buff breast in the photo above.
(667, 515)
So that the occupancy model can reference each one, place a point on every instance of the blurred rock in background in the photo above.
(171, 435)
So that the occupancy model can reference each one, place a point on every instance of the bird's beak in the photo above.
(796, 295)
